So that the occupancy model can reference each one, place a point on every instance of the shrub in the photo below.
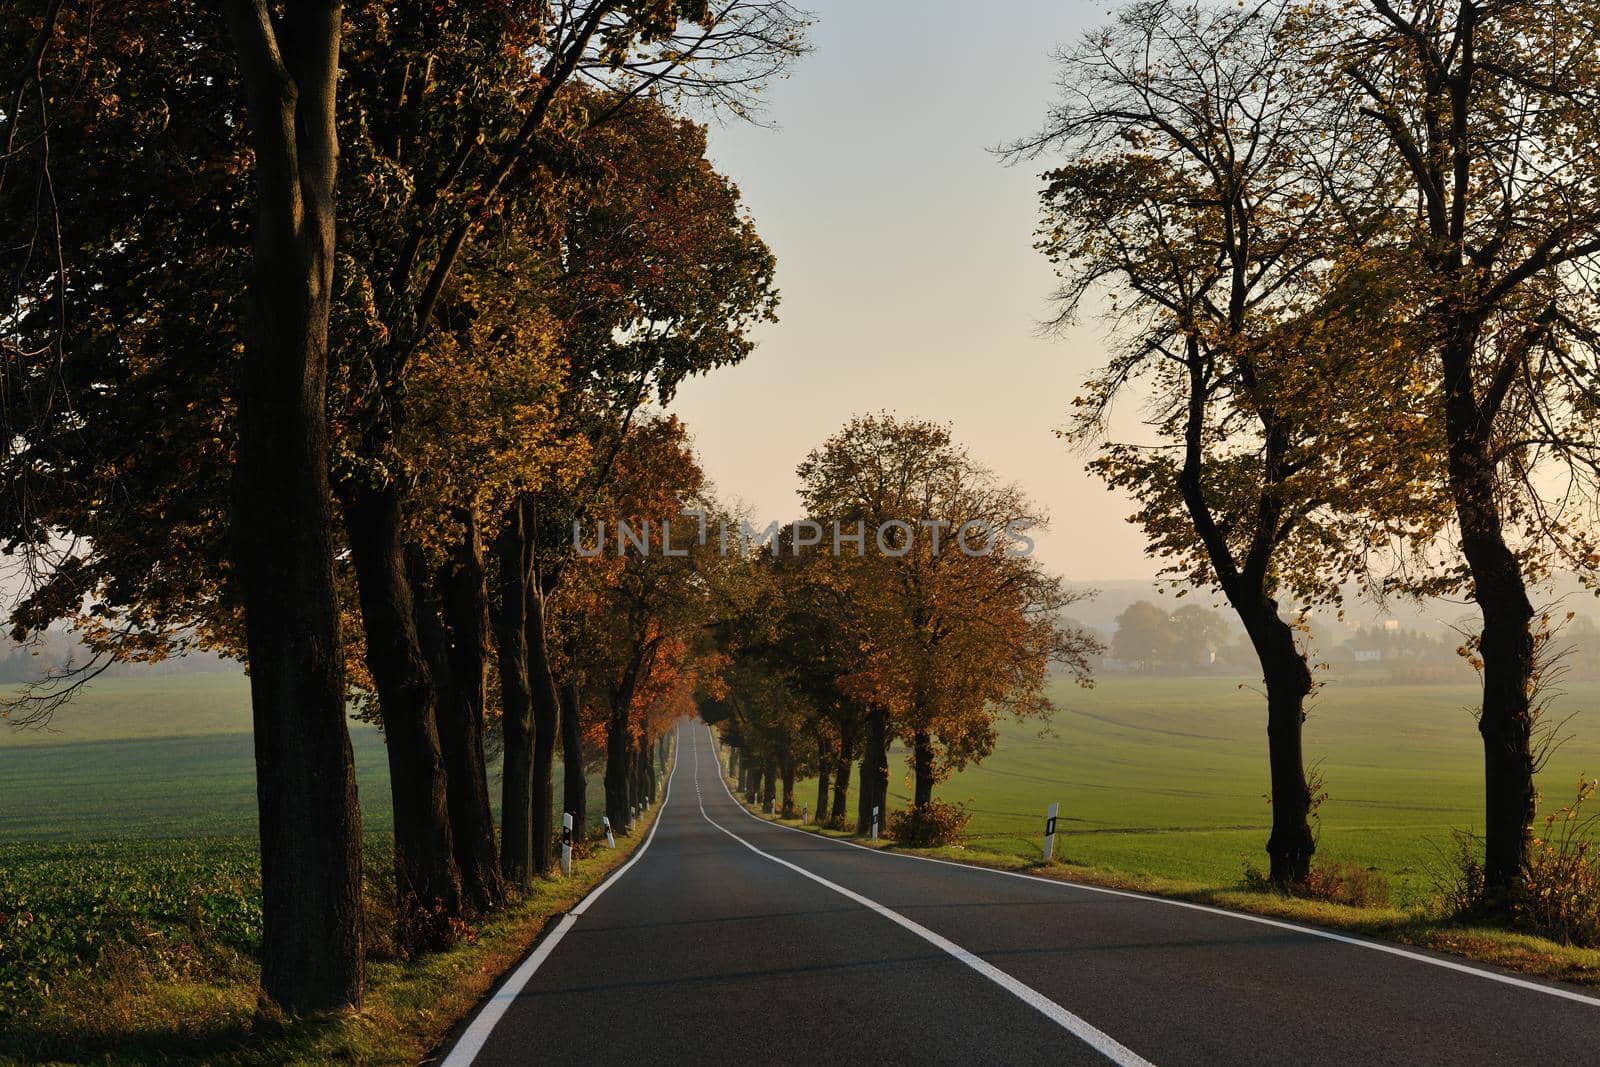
(935, 823)
(1459, 884)
(1561, 885)
(1347, 882)
(1339, 882)
(1559, 894)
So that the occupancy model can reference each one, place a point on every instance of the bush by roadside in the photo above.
(930, 826)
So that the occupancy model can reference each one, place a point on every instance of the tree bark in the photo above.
(1288, 681)
(650, 782)
(465, 608)
(282, 522)
(574, 786)
(769, 785)
(841, 781)
(516, 698)
(922, 768)
(617, 745)
(874, 772)
(641, 764)
(786, 772)
(1506, 646)
(546, 719)
(427, 882)
(824, 775)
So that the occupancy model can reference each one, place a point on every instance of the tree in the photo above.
(1196, 197)
(1489, 113)
(282, 522)
(278, 512)
(1145, 636)
(957, 623)
(1183, 640)
(1200, 633)
(779, 624)
(650, 591)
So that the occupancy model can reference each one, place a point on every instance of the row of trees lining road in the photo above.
(1348, 251)
(838, 646)
(328, 322)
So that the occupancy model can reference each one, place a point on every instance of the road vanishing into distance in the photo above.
(728, 939)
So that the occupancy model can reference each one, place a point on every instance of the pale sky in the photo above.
(906, 264)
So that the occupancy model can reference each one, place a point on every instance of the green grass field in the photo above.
(159, 757)
(1168, 776)
(128, 854)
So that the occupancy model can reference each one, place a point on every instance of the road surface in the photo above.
(731, 940)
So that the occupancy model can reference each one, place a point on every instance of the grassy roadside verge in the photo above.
(1416, 927)
(124, 1011)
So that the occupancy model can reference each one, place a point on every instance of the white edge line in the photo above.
(1261, 920)
(1085, 1031)
(476, 1035)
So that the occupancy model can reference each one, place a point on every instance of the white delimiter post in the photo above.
(566, 842)
(1050, 831)
(611, 842)
(874, 822)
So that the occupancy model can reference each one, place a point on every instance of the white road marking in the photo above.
(477, 1033)
(1260, 920)
(1097, 1039)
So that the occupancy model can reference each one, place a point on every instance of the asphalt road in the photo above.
(731, 940)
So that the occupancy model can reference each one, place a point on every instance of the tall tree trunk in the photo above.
(1506, 646)
(922, 768)
(282, 522)
(633, 775)
(516, 697)
(617, 764)
(824, 774)
(574, 786)
(546, 719)
(786, 770)
(427, 882)
(841, 781)
(1288, 681)
(734, 770)
(874, 772)
(769, 784)
(650, 782)
(637, 761)
(465, 608)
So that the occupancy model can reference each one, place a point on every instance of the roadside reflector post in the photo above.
(1050, 831)
(805, 813)
(566, 842)
(874, 822)
(611, 842)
